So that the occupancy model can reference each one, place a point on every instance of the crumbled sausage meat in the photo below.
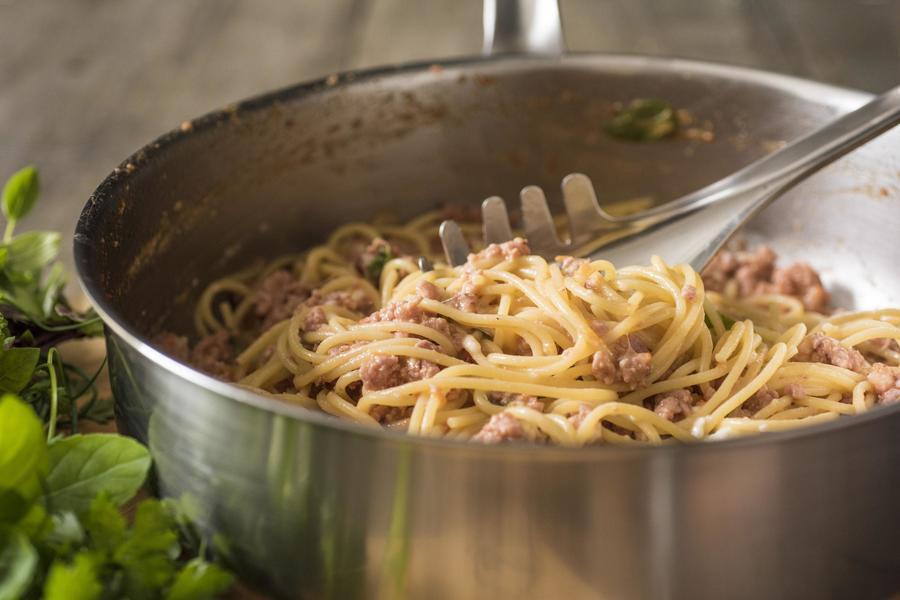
(314, 319)
(496, 253)
(756, 273)
(510, 399)
(628, 362)
(674, 405)
(381, 371)
(388, 415)
(278, 296)
(570, 265)
(759, 400)
(426, 289)
(355, 300)
(212, 354)
(689, 293)
(885, 382)
(801, 281)
(503, 427)
(176, 346)
(823, 349)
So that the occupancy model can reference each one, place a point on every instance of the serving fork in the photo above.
(690, 229)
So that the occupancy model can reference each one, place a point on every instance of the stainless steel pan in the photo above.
(307, 506)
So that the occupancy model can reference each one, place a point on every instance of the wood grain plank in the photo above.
(86, 82)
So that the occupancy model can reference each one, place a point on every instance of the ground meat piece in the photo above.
(426, 289)
(355, 300)
(388, 415)
(628, 362)
(635, 367)
(503, 427)
(381, 371)
(795, 391)
(601, 328)
(173, 345)
(510, 399)
(522, 348)
(569, 265)
(577, 418)
(689, 293)
(755, 273)
(885, 381)
(404, 310)
(496, 253)
(375, 251)
(674, 405)
(277, 297)
(802, 281)
(213, 355)
(314, 319)
(823, 349)
(603, 367)
(759, 400)
(464, 302)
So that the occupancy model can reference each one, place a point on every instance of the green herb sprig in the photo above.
(35, 317)
(62, 534)
(62, 531)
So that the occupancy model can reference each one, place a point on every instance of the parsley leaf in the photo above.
(376, 265)
(199, 580)
(643, 120)
(75, 580)
(147, 555)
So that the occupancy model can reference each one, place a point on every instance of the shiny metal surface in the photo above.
(311, 507)
(526, 26)
(731, 201)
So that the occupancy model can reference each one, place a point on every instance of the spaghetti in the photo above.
(513, 347)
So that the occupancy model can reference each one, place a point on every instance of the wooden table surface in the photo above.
(86, 82)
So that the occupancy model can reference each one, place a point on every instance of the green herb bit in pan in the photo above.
(643, 120)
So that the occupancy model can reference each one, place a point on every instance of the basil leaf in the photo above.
(18, 561)
(23, 451)
(199, 580)
(16, 368)
(82, 466)
(53, 284)
(644, 120)
(76, 580)
(32, 251)
(20, 193)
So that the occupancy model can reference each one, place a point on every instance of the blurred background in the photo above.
(87, 82)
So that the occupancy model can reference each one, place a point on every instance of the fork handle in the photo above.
(526, 26)
(729, 202)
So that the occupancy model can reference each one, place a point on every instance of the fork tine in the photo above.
(456, 248)
(538, 222)
(495, 221)
(585, 215)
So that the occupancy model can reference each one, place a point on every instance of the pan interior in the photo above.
(276, 174)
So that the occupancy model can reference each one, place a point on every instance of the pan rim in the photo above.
(823, 94)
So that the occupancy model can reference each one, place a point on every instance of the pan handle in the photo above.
(523, 26)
